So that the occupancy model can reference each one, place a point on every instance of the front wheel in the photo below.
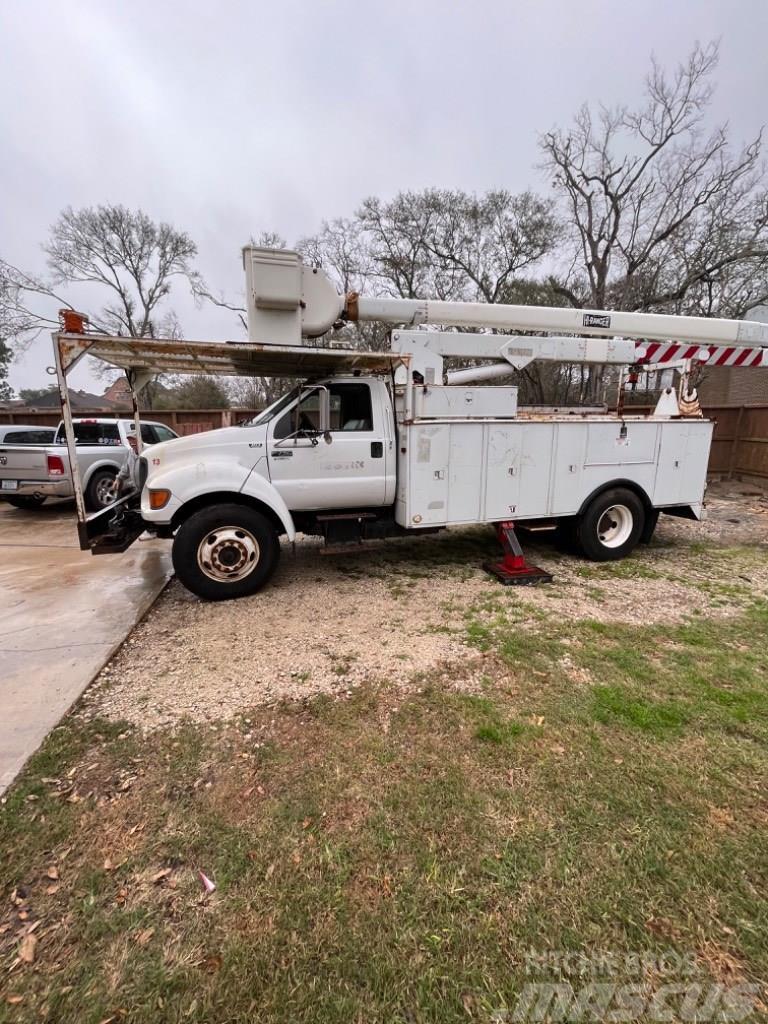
(225, 551)
(611, 525)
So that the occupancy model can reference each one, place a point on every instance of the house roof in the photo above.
(78, 400)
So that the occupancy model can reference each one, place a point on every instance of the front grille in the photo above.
(143, 472)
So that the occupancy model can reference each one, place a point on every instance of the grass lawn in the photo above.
(394, 856)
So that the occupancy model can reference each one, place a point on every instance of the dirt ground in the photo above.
(401, 613)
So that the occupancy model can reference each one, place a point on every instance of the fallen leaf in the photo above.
(27, 948)
(213, 963)
(52, 889)
(14, 1000)
(144, 936)
(52, 872)
(270, 871)
(206, 882)
(163, 873)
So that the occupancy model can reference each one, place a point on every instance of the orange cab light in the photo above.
(159, 498)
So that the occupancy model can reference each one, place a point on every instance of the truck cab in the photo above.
(325, 447)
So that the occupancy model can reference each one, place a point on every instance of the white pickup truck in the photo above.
(31, 473)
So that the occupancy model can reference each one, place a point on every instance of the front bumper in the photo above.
(40, 488)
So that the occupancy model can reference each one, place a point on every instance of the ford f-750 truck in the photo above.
(375, 444)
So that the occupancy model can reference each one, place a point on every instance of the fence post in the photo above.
(735, 442)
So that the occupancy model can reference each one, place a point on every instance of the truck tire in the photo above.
(100, 491)
(611, 525)
(27, 501)
(225, 551)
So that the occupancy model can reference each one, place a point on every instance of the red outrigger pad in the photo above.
(513, 570)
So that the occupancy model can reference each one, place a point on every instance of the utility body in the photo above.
(379, 444)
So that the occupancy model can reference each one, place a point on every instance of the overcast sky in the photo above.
(228, 118)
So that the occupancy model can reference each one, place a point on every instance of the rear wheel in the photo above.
(101, 491)
(611, 525)
(28, 501)
(225, 551)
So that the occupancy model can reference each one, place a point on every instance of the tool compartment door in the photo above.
(428, 474)
(518, 465)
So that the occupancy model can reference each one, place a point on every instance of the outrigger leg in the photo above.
(513, 569)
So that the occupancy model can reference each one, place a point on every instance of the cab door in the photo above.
(350, 471)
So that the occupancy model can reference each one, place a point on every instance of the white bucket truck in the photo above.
(379, 444)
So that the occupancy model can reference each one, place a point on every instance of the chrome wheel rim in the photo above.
(228, 554)
(105, 491)
(614, 527)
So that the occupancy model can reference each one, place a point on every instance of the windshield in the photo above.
(272, 410)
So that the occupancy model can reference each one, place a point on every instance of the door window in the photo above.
(164, 433)
(350, 411)
(351, 407)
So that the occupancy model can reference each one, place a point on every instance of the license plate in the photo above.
(9, 485)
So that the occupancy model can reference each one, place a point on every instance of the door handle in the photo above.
(377, 449)
(282, 453)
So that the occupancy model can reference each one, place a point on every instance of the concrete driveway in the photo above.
(63, 612)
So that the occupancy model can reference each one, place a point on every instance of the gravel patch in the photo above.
(330, 624)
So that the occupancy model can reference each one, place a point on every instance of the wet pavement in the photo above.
(63, 612)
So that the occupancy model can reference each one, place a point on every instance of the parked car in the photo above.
(31, 473)
(22, 433)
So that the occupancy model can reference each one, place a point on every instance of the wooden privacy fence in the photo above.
(740, 445)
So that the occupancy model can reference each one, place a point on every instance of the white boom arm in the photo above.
(288, 301)
(703, 330)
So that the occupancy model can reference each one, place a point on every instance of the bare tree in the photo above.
(131, 258)
(662, 215)
(453, 245)
(127, 260)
